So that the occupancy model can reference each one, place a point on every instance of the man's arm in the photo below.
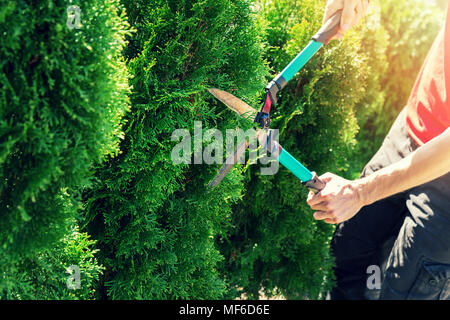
(341, 199)
(427, 163)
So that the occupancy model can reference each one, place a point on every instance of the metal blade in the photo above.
(235, 104)
(244, 110)
(229, 164)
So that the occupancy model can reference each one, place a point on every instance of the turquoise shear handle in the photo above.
(308, 178)
(299, 170)
(301, 59)
(322, 37)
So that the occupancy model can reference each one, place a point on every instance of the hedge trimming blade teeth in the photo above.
(229, 164)
(235, 104)
(244, 110)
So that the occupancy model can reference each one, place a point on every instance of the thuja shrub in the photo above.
(63, 92)
(277, 247)
(155, 222)
(68, 271)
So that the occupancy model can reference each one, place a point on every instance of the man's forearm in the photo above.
(427, 163)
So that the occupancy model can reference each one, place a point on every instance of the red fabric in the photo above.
(428, 108)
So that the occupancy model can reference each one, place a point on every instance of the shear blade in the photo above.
(229, 164)
(234, 103)
(244, 110)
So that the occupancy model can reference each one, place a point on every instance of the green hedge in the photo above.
(154, 222)
(63, 93)
(45, 275)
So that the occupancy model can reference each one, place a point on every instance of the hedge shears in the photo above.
(262, 118)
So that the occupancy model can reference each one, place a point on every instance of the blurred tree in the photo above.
(411, 28)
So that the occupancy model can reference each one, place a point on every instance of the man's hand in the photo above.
(352, 12)
(340, 200)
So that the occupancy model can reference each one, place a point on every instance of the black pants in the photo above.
(406, 236)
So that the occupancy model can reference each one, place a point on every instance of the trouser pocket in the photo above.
(432, 283)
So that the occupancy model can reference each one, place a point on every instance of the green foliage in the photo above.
(45, 275)
(63, 93)
(154, 221)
